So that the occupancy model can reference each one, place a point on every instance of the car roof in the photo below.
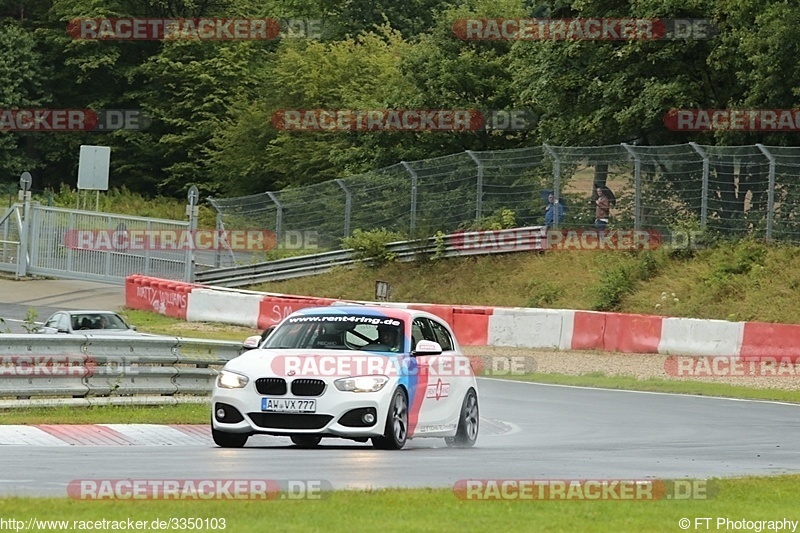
(369, 310)
(88, 312)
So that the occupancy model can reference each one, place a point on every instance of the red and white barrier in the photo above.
(207, 305)
(529, 328)
(700, 337)
(491, 326)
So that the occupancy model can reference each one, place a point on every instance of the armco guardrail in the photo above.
(453, 245)
(85, 366)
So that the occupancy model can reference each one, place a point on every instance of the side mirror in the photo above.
(133, 328)
(47, 330)
(427, 348)
(251, 342)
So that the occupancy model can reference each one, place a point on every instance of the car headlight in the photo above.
(231, 380)
(361, 383)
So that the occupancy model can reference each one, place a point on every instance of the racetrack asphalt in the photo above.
(529, 431)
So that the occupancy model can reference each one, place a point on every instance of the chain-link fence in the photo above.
(730, 190)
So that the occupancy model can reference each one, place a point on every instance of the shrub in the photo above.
(543, 293)
(370, 246)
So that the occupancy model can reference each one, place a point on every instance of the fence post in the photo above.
(556, 176)
(704, 199)
(220, 226)
(770, 190)
(22, 260)
(6, 221)
(479, 192)
(637, 186)
(348, 200)
(414, 179)
(192, 209)
(278, 216)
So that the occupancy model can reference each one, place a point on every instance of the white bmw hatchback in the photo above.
(352, 372)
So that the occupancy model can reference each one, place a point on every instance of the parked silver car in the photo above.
(87, 323)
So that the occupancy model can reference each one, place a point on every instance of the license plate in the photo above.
(288, 405)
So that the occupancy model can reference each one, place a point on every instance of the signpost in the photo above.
(93, 167)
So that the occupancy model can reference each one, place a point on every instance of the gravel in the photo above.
(503, 360)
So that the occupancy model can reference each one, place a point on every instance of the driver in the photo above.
(387, 336)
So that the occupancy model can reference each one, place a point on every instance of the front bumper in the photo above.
(333, 417)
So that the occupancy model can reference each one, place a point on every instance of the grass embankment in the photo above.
(732, 281)
(767, 498)
(148, 322)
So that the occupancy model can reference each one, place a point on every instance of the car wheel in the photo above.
(306, 441)
(229, 440)
(396, 429)
(468, 423)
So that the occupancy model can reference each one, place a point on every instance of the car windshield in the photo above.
(340, 332)
(112, 321)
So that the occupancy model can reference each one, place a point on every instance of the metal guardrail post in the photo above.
(770, 190)
(637, 186)
(704, 199)
(414, 182)
(278, 216)
(348, 204)
(479, 192)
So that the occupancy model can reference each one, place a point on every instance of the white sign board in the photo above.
(93, 167)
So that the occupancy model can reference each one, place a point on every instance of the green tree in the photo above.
(24, 86)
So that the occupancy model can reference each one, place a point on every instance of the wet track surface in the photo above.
(528, 431)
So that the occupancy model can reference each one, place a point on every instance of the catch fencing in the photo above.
(729, 190)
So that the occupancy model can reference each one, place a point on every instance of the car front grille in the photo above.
(271, 386)
(308, 387)
(289, 421)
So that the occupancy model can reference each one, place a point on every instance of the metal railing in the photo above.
(453, 245)
(134, 368)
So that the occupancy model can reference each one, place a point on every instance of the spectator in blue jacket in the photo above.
(554, 212)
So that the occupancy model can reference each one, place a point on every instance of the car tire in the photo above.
(468, 423)
(396, 430)
(229, 440)
(306, 441)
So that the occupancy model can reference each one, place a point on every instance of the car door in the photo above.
(436, 391)
(460, 378)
